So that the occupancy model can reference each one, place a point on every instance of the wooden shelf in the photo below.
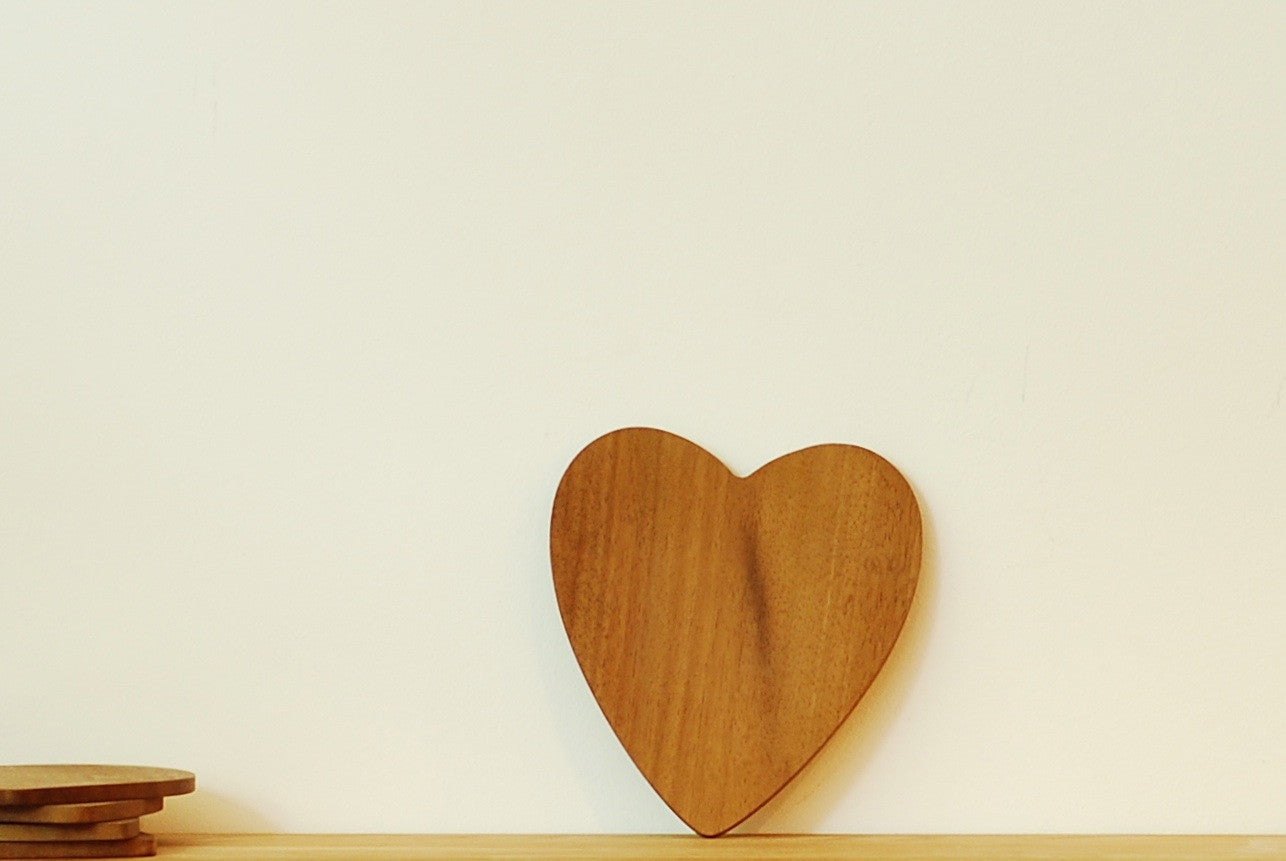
(545, 847)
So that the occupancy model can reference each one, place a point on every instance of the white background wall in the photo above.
(305, 307)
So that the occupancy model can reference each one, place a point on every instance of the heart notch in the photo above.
(727, 626)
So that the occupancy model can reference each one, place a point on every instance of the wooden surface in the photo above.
(143, 844)
(76, 784)
(69, 814)
(727, 625)
(546, 847)
(38, 831)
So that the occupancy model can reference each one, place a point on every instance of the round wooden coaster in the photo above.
(122, 829)
(78, 814)
(79, 784)
(135, 847)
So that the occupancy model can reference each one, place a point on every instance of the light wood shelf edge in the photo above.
(542, 847)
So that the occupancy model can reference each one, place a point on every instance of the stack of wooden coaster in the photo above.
(82, 811)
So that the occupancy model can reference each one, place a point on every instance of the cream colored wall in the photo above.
(304, 308)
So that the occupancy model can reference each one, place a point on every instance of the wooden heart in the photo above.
(727, 625)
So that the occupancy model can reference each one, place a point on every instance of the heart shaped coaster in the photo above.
(728, 625)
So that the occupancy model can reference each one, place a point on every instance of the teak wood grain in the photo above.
(726, 625)
(23, 785)
(73, 814)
